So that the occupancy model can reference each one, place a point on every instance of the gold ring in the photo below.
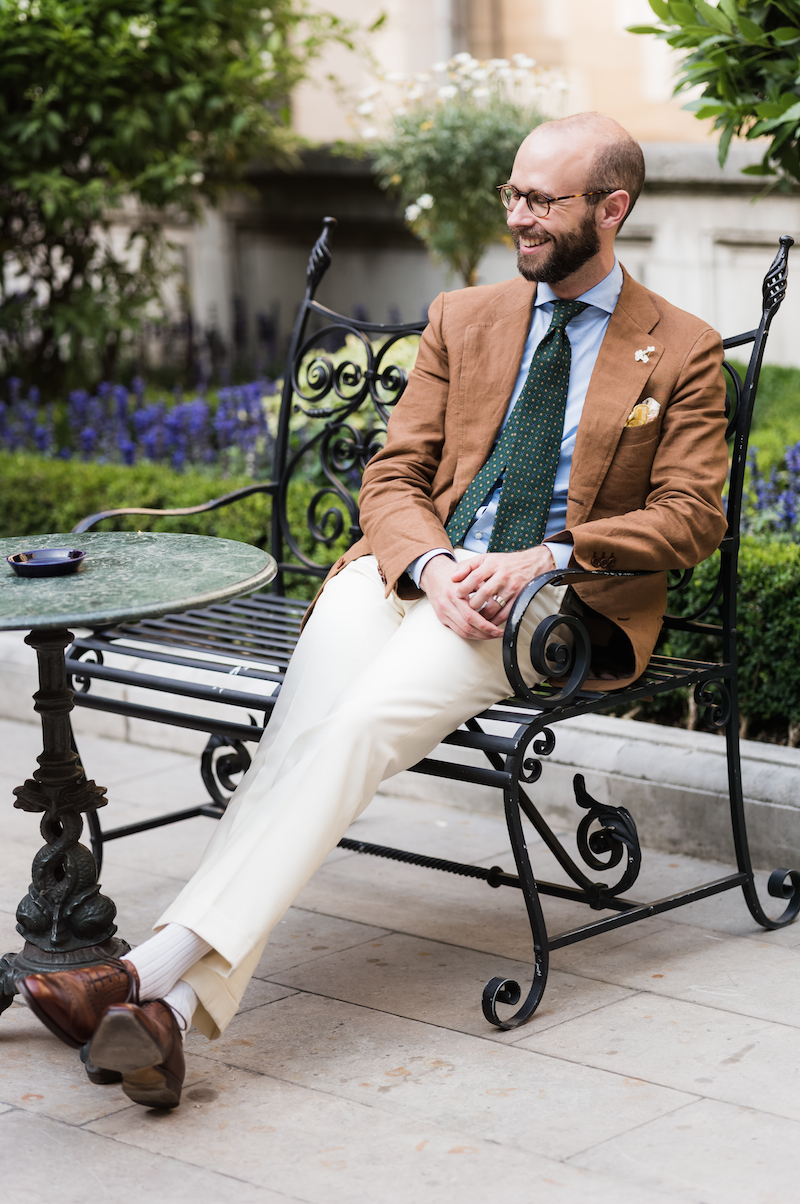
(500, 601)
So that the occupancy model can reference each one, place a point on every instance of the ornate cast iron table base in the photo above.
(64, 919)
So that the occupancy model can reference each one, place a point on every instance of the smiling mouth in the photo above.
(530, 242)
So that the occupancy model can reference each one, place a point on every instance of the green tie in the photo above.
(526, 454)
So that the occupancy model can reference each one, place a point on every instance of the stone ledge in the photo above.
(674, 782)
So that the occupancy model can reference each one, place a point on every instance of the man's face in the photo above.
(549, 257)
(552, 248)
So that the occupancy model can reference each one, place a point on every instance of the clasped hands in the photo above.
(467, 596)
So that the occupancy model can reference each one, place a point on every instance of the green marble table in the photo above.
(126, 576)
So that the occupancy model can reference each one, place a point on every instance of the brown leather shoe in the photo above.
(143, 1042)
(71, 1003)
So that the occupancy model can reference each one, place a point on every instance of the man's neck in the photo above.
(592, 272)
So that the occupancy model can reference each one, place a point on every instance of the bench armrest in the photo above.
(561, 661)
(216, 503)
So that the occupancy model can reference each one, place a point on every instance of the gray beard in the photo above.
(569, 252)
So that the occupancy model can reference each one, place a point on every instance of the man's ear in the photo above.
(613, 209)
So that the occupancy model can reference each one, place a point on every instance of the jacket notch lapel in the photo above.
(617, 382)
(491, 357)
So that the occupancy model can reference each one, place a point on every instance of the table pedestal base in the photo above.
(65, 920)
(32, 960)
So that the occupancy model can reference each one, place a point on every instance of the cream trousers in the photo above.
(373, 686)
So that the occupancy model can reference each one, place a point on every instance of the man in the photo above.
(567, 416)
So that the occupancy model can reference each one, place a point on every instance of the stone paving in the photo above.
(663, 1065)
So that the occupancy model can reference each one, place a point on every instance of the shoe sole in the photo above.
(122, 1043)
(42, 1016)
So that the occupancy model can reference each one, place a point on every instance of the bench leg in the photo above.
(507, 990)
(721, 702)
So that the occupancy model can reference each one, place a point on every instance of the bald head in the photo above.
(609, 157)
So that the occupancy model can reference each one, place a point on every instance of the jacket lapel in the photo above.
(616, 385)
(490, 364)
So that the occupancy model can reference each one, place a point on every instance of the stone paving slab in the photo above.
(439, 983)
(323, 1148)
(44, 1160)
(689, 1047)
(710, 1152)
(660, 1066)
(444, 1077)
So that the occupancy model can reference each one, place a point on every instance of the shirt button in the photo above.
(479, 534)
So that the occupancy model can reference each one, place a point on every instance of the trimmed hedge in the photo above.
(768, 640)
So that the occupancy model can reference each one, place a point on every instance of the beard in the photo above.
(568, 253)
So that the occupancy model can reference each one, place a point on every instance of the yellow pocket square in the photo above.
(646, 411)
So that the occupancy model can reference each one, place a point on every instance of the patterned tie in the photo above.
(526, 454)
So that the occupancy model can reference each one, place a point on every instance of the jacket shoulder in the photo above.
(487, 302)
(670, 319)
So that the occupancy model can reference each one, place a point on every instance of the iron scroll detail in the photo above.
(217, 772)
(617, 836)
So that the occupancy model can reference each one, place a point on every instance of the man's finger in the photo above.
(465, 567)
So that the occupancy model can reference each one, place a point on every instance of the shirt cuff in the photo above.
(561, 553)
(414, 570)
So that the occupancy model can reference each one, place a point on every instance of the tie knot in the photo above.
(565, 311)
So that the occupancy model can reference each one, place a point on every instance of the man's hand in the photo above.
(464, 596)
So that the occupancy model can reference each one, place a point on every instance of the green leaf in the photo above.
(724, 144)
(682, 12)
(643, 29)
(714, 17)
(785, 35)
(95, 111)
(730, 9)
(751, 32)
(661, 9)
(790, 115)
(758, 169)
(705, 111)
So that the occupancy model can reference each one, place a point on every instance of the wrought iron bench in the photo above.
(346, 399)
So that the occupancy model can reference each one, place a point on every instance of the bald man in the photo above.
(565, 417)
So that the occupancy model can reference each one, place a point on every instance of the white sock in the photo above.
(182, 1001)
(164, 958)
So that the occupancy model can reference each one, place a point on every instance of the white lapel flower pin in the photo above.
(643, 354)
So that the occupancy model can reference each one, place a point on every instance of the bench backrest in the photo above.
(343, 378)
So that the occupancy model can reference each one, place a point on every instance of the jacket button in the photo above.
(611, 561)
(603, 563)
(595, 562)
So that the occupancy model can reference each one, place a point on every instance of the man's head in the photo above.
(573, 242)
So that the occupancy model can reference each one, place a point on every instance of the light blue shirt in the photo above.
(585, 333)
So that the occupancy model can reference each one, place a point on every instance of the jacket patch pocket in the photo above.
(627, 481)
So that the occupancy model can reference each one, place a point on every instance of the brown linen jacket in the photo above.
(646, 497)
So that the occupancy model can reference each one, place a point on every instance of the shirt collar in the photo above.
(603, 295)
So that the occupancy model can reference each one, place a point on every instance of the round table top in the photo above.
(127, 575)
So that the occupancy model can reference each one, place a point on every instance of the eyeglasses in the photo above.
(537, 202)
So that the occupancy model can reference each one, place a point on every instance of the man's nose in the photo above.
(519, 214)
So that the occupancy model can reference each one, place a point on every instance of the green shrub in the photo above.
(768, 639)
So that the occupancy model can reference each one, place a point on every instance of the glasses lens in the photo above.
(508, 196)
(538, 204)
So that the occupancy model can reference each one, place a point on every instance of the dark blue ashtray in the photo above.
(47, 562)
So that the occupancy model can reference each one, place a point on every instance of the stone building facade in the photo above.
(700, 235)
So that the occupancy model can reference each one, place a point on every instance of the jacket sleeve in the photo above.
(398, 516)
(682, 520)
